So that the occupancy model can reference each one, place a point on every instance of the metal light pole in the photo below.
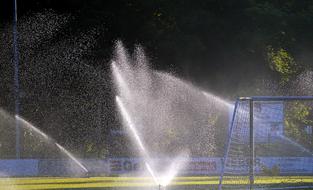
(16, 81)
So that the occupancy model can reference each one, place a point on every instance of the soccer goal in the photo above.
(269, 144)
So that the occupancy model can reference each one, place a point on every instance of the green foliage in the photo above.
(282, 62)
(297, 116)
(219, 43)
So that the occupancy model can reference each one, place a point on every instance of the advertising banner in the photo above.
(136, 166)
(23, 167)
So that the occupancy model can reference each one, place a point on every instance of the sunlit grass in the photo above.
(108, 182)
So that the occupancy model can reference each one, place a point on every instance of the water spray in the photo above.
(119, 79)
(167, 177)
(132, 83)
(38, 131)
(135, 134)
(216, 99)
(20, 119)
(72, 157)
(297, 145)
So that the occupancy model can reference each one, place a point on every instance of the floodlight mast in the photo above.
(16, 80)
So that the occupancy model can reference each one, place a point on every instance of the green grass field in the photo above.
(195, 182)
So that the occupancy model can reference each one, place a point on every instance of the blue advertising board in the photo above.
(133, 166)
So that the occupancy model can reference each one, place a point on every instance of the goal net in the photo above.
(270, 144)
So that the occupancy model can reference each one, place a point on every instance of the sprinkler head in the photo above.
(87, 174)
(161, 187)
